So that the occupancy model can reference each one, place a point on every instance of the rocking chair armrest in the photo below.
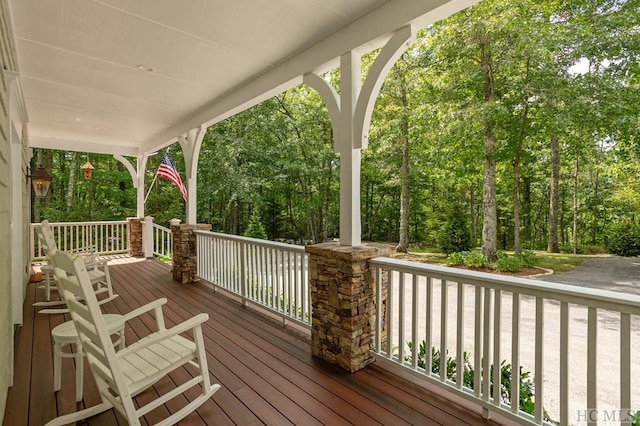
(192, 323)
(156, 304)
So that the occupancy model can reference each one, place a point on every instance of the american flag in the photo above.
(168, 171)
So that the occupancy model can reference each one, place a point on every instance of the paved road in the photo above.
(604, 272)
(620, 274)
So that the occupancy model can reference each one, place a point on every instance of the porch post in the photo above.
(147, 237)
(137, 177)
(343, 286)
(349, 150)
(344, 303)
(191, 142)
(350, 114)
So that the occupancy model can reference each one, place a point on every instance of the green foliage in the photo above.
(476, 260)
(454, 235)
(255, 228)
(471, 259)
(517, 262)
(509, 263)
(457, 258)
(589, 249)
(623, 239)
(527, 393)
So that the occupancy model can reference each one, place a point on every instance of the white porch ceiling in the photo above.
(79, 60)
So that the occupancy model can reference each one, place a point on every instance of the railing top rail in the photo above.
(155, 225)
(103, 222)
(615, 301)
(254, 241)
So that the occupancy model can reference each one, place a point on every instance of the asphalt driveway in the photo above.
(613, 273)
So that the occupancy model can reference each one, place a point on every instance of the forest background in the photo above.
(521, 116)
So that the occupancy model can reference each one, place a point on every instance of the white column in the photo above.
(137, 177)
(350, 114)
(147, 236)
(191, 142)
(350, 222)
(140, 188)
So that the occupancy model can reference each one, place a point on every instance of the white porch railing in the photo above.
(575, 341)
(162, 241)
(102, 237)
(272, 275)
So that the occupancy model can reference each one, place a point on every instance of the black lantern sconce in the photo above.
(41, 182)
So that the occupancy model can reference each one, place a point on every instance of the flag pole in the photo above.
(151, 187)
(155, 176)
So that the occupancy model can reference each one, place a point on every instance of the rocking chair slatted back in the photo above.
(99, 278)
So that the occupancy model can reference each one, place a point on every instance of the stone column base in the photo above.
(185, 260)
(135, 237)
(343, 288)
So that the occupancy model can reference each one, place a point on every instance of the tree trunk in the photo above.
(575, 206)
(71, 186)
(472, 209)
(490, 221)
(526, 210)
(596, 204)
(517, 246)
(552, 246)
(403, 243)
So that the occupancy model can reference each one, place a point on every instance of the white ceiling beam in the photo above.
(366, 33)
(81, 146)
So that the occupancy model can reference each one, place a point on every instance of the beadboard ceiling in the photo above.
(129, 76)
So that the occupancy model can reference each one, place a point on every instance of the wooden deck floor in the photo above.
(266, 371)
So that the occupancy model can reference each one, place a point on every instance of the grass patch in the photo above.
(559, 262)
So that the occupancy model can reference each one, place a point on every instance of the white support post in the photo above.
(137, 177)
(350, 114)
(147, 237)
(191, 142)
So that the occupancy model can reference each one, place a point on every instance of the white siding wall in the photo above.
(6, 323)
(7, 62)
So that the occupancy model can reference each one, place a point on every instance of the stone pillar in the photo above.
(343, 291)
(185, 261)
(135, 237)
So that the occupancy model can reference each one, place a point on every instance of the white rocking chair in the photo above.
(99, 278)
(122, 375)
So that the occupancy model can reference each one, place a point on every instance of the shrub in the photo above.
(476, 260)
(593, 250)
(517, 262)
(525, 400)
(529, 258)
(457, 258)
(255, 228)
(471, 259)
(623, 239)
(454, 236)
(510, 264)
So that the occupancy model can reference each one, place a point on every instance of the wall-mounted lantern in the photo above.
(88, 170)
(41, 182)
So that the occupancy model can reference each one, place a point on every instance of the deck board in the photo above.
(265, 368)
